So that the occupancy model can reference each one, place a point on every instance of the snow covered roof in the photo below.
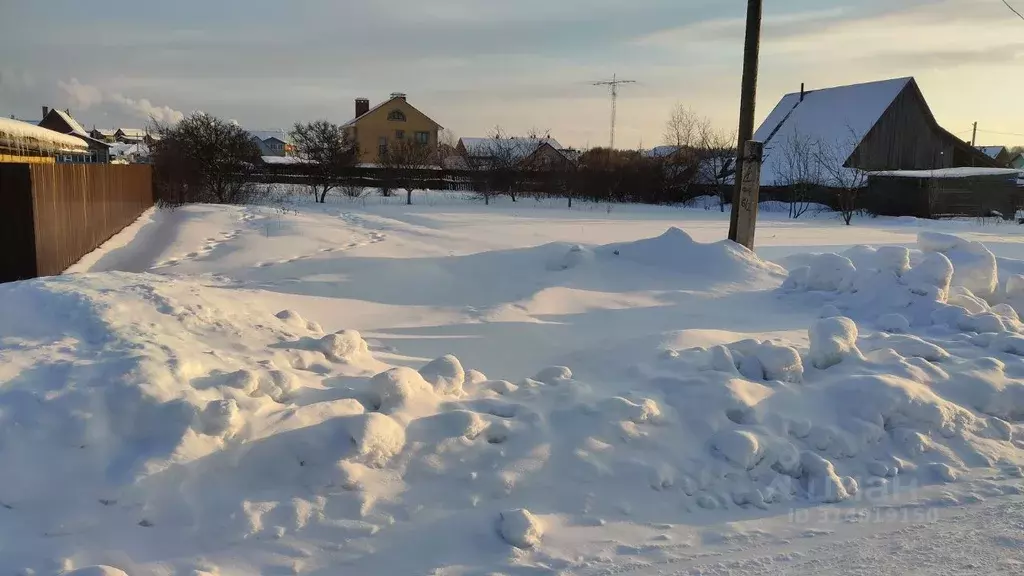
(124, 149)
(17, 135)
(108, 132)
(662, 151)
(837, 117)
(948, 173)
(264, 135)
(992, 151)
(133, 132)
(521, 147)
(76, 128)
(285, 160)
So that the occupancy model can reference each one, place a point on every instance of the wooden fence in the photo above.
(976, 196)
(55, 214)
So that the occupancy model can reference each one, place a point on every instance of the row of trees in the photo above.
(206, 159)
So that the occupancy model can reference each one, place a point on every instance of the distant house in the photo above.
(537, 153)
(273, 142)
(884, 125)
(1017, 161)
(108, 135)
(1001, 154)
(131, 135)
(394, 120)
(62, 121)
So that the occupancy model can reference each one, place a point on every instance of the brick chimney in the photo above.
(362, 106)
(399, 95)
(46, 110)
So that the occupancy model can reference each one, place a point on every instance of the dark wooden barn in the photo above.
(876, 126)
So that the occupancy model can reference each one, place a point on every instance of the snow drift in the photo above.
(149, 423)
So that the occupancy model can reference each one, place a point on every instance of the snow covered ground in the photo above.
(453, 389)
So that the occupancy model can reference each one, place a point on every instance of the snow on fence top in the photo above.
(22, 136)
(948, 173)
(835, 117)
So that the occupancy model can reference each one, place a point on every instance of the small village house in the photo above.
(62, 121)
(532, 152)
(273, 142)
(108, 135)
(875, 126)
(1017, 161)
(22, 142)
(394, 120)
(1001, 154)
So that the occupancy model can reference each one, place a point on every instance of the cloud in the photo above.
(86, 96)
(82, 96)
(145, 109)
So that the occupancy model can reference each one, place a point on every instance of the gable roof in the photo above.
(264, 135)
(133, 132)
(73, 124)
(108, 132)
(992, 151)
(353, 121)
(18, 135)
(520, 147)
(663, 151)
(839, 117)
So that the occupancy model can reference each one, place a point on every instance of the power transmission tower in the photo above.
(614, 84)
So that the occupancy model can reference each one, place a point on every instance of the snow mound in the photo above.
(377, 438)
(344, 346)
(575, 257)
(445, 374)
(975, 266)
(953, 283)
(521, 529)
(675, 250)
(832, 341)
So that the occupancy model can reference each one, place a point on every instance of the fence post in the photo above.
(750, 189)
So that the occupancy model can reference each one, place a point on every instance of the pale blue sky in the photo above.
(472, 64)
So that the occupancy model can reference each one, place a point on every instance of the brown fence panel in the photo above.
(17, 236)
(77, 207)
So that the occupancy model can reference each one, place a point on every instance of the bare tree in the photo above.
(717, 151)
(845, 181)
(203, 158)
(798, 170)
(447, 148)
(328, 152)
(685, 127)
(509, 159)
(475, 158)
(403, 164)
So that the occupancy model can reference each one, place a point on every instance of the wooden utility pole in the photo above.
(750, 187)
(748, 97)
(974, 135)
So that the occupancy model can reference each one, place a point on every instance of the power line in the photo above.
(1000, 133)
(1014, 10)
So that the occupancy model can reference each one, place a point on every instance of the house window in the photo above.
(396, 116)
(423, 138)
(400, 134)
(382, 145)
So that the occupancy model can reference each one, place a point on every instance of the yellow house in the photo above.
(374, 129)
